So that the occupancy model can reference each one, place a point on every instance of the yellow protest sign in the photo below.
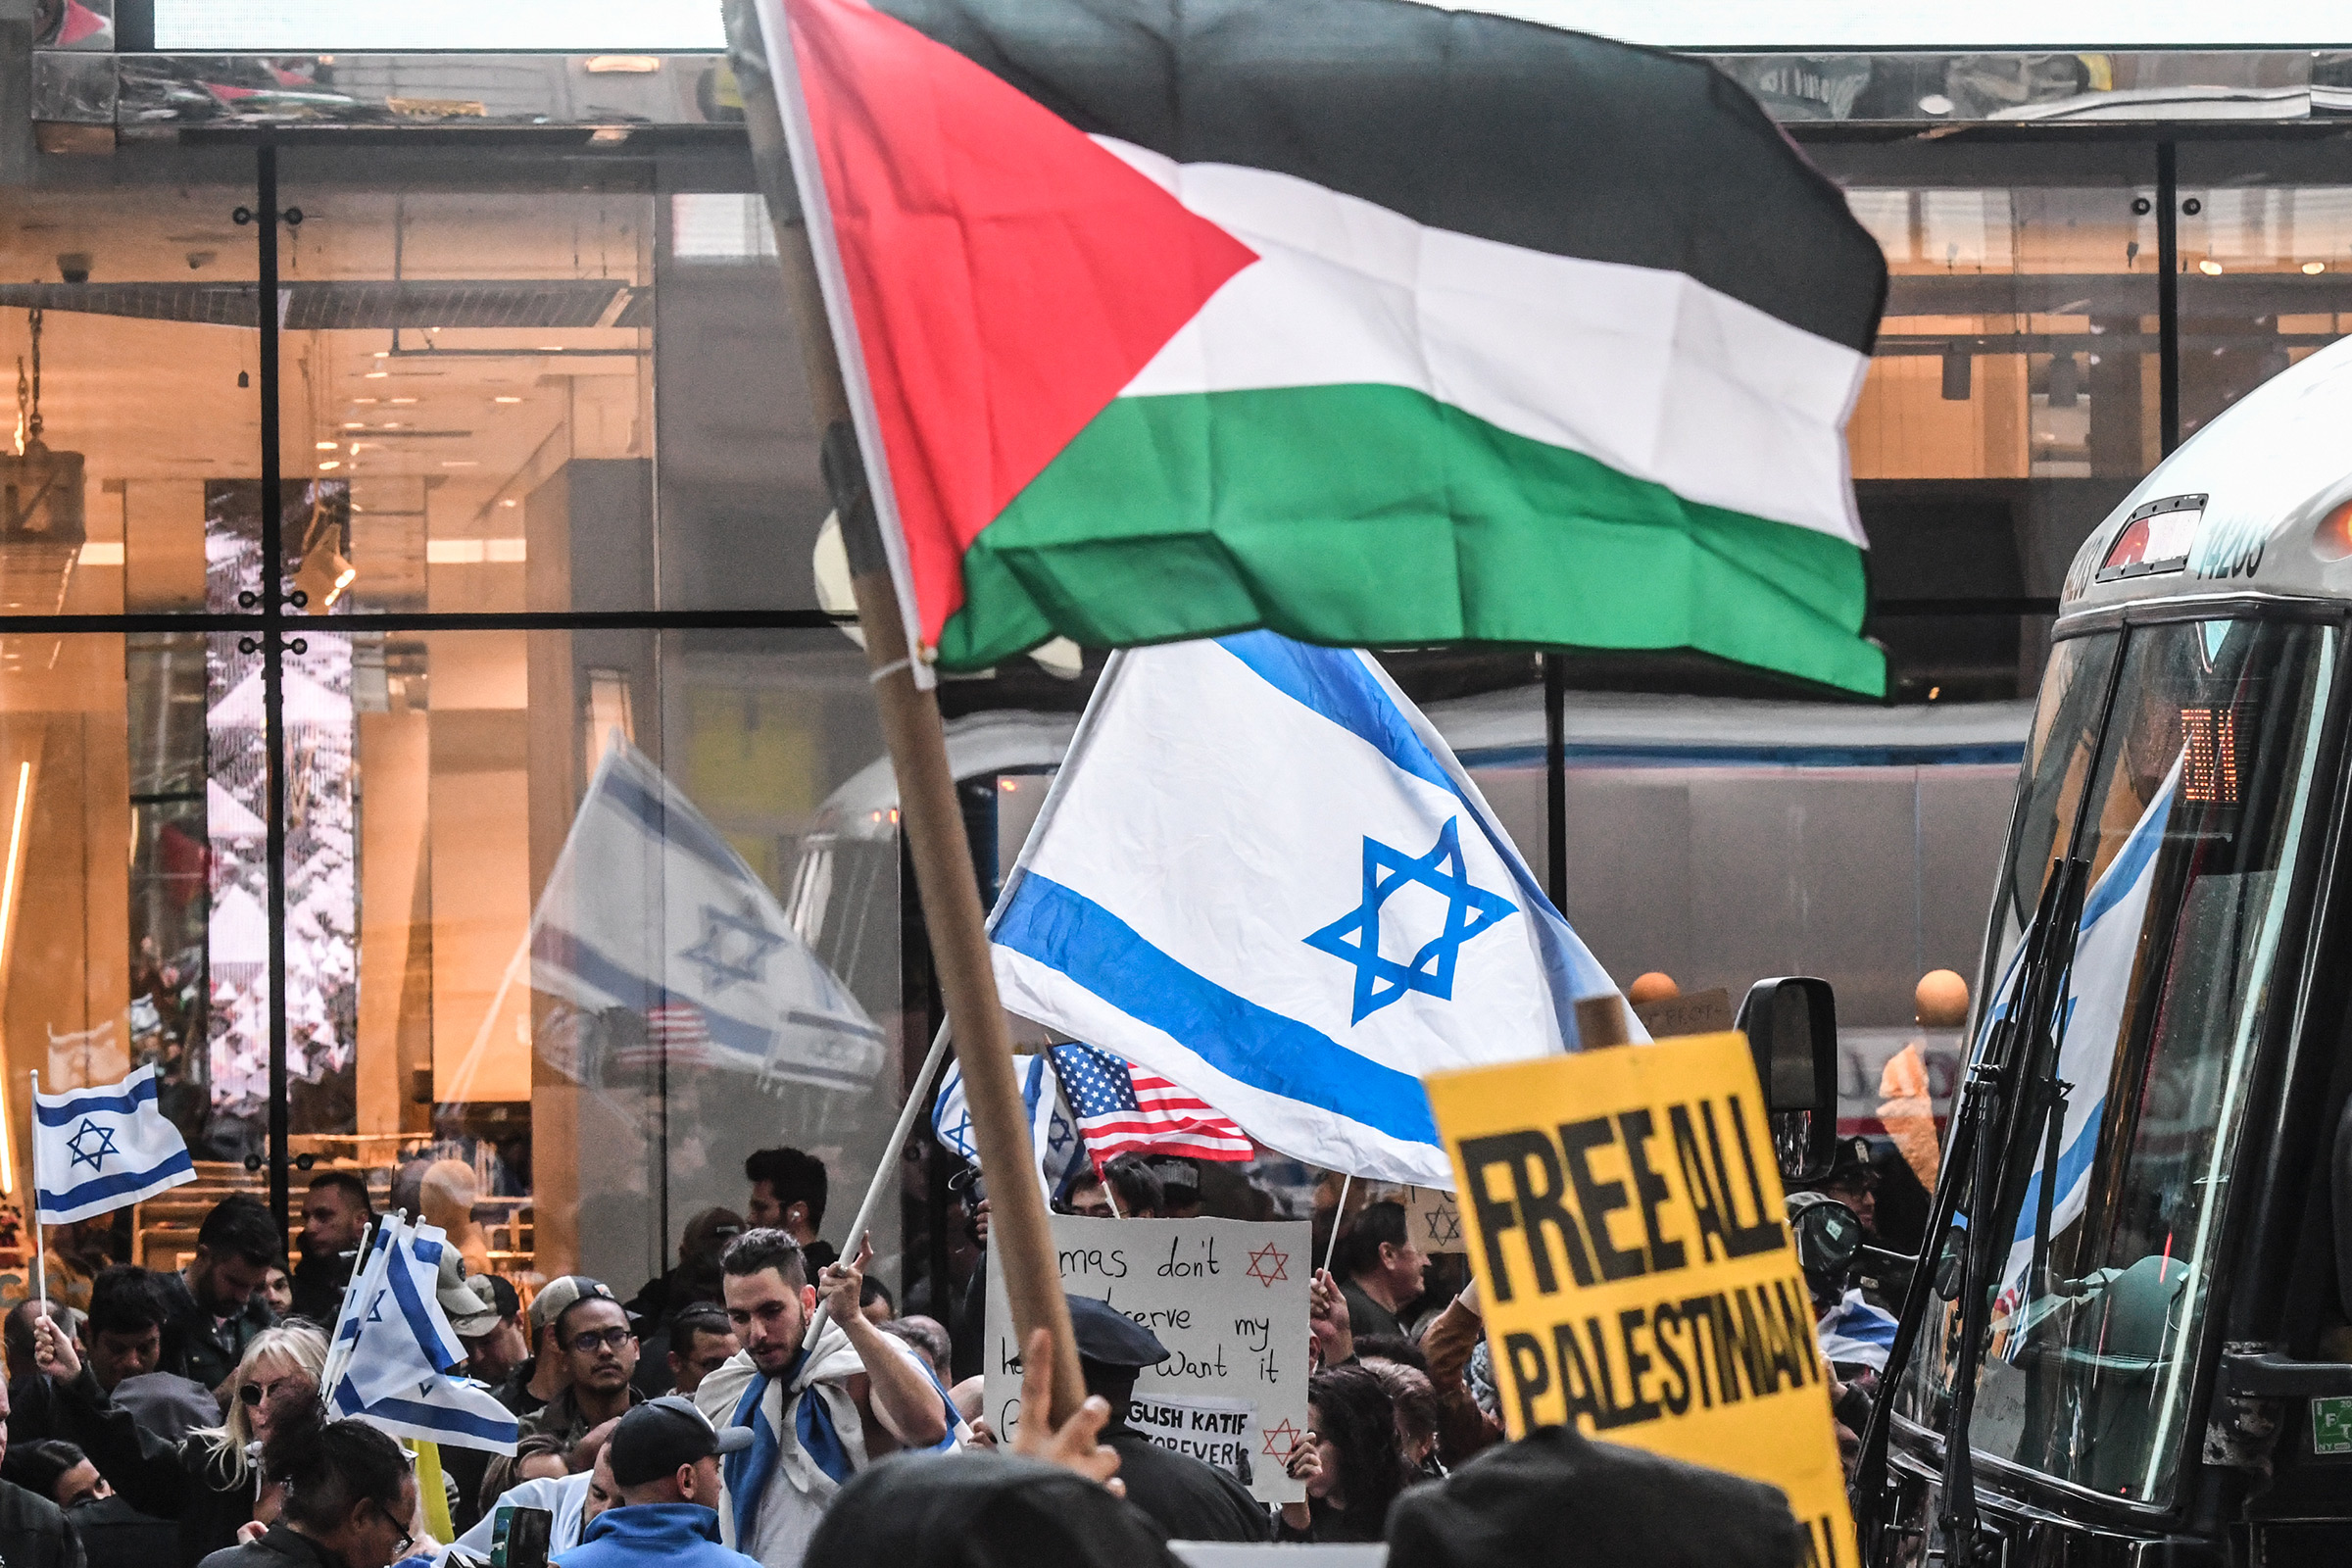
(1624, 1218)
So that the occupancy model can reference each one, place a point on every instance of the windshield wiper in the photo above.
(2011, 1098)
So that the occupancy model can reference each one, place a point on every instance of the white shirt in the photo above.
(564, 1497)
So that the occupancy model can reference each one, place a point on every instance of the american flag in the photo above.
(1121, 1109)
(675, 1032)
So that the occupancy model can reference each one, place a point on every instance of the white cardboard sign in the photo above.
(1226, 1298)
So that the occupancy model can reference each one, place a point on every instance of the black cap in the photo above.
(657, 1436)
(1109, 1336)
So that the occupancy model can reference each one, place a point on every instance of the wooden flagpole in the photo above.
(931, 816)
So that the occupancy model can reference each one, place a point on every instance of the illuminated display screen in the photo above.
(2209, 755)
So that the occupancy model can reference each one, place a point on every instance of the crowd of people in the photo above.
(179, 1418)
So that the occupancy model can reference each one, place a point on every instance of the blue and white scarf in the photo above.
(805, 1423)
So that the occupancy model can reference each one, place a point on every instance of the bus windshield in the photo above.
(2189, 801)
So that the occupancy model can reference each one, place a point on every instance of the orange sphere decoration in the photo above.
(1655, 986)
(1942, 1000)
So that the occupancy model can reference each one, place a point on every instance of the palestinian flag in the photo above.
(1367, 322)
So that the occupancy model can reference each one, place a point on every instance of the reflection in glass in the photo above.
(2191, 850)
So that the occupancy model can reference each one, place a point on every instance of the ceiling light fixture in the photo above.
(506, 399)
(2209, 268)
(329, 446)
(2314, 269)
(375, 375)
(328, 466)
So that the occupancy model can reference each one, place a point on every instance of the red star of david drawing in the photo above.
(1268, 1265)
(1281, 1438)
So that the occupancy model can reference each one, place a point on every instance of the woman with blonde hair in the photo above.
(208, 1481)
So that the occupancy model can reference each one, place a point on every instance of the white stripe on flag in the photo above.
(1647, 371)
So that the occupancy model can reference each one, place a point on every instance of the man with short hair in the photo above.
(334, 1217)
(809, 1409)
(600, 1352)
(664, 1458)
(1379, 1271)
(701, 1341)
(213, 1307)
(788, 1194)
(122, 1340)
(543, 1374)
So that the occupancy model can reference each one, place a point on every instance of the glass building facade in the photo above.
(474, 501)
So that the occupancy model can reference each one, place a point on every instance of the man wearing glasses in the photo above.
(600, 1354)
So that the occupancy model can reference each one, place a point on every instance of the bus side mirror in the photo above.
(1791, 1026)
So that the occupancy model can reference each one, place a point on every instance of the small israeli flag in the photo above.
(96, 1150)
(1053, 1129)
(1263, 874)
(394, 1349)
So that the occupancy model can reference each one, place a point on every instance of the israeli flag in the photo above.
(96, 1150)
(1053, 1129)
(394, 1350)
(1855, 1331)
(650, 909)
(1261, 874)
(2115, 911)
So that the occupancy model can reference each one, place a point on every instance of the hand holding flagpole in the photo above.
(40, 1244)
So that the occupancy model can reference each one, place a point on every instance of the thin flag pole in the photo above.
(1339, 1217)
(40, 1242)
(886, 1167)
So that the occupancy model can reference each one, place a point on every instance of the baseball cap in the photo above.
(657, 1436)
(469, 1311)
(499, 1291)
(557, 1294)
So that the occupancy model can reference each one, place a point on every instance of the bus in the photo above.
(2130, 1339)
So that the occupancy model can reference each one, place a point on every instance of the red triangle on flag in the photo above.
(1009, 276)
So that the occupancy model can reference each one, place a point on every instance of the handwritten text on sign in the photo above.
(1226, 1299)
(1625, 1221)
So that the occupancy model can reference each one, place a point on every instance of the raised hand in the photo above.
(53, 1351)
(1071, 1444)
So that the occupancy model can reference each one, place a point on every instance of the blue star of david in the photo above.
(92, 1157)
(1355, 937)
(734, 948)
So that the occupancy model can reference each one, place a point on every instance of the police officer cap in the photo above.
(1110, 1337)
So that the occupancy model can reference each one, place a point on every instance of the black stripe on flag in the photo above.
(1485, 125)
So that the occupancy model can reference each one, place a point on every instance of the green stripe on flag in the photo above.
(1377, 515)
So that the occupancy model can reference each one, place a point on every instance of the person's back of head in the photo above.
(1355, 1414)
(982, 1510)
(346, 1485)
(1557, 1498)
(1391, 1347)
(1137, 1186)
